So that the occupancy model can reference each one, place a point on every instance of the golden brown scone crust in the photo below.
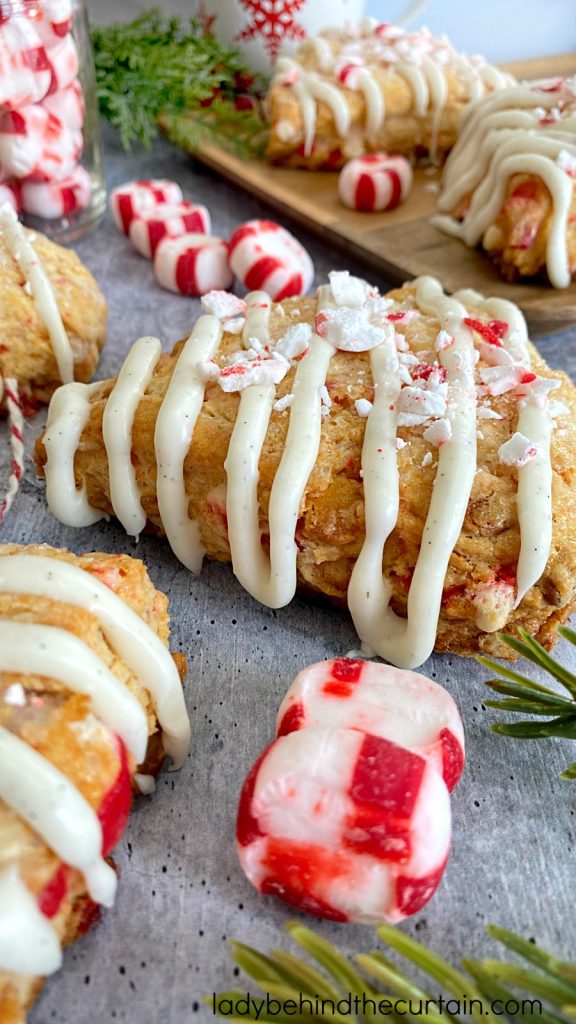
(403, 131)
(330, 529)
(25, 349)
(53, 728)
(518, 239)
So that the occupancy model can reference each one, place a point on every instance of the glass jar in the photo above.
(50, 145)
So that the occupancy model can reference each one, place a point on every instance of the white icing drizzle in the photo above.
(20, 248)
(173, 436)
(503, 135)
(408, 642)
(273, 580)
(56, 653)
(117, 424)
(133, 640)
(420, 59)
(28, 943)
(67, 416)
(46, 799)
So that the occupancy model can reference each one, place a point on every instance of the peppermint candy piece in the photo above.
(224, 305)
(344, 825)
(349, 329)
(67, 105)
(135, 198)
(64, 64)
(36, 145)
(167, 220)
(53, 20)
(25, 73)
(517, 451)
(403, 707)
(55, 199)
(263, 255)
(374, 183)
(242, 373)
(192, 264)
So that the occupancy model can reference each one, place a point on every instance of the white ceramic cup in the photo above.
(261, 28)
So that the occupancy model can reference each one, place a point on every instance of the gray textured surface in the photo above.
(181, 893)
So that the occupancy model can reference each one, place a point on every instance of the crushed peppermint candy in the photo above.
(427, 460)
(348, 290)
(492, 333)
(416, 405)
(239, 375)
(517, 451)
(15, 695)
(400, 342)
(403, 316)
(363, 406)
(256, 346)
(484, 412)
(567, 162)
(283, 403)
(443, 341)
(400, 444)
(557, 409)
(439, 432)
(223, 304)
(236, 325)
(500, 379)
(349, 329)
(295, 341)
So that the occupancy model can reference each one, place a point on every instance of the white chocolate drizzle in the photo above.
(67, 416)
(356, 319)
(28, 943)
(48, 651)
(173, 436)
(117, 424)
(46, 799)
(506, 134)
(127, 634)
(20, 248)
(360, 58)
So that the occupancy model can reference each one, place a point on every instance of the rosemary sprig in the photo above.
(156, 65)
(527, 697)
(540, 985)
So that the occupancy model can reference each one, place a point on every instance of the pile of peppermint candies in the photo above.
(41, 111)
(189, 260)
(346, 814)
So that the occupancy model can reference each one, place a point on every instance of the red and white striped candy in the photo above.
(135, 198)
(25, 73)
(192, 264)
(36, 145)
(67, 105)
(167, 221)
(404, 707)
(54, 199)
(52, 20)
(64, 64)
(11, 193)
(344, 825)
(264, 256)
(374, 183)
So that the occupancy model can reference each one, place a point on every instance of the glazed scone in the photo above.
(242, 451)
(82, 723)
(509, 184)
(372, 88)
(29, 352)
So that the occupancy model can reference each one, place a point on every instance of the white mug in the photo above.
(261, 28)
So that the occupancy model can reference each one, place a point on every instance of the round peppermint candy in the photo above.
(344, 825)
(192, 264)
(54, 199)
(52, 20)
(67, 105)
(34, 144)
(135, 198)
(404, 707)
(64, 64)
(374, 183)
(25, 72)
(167, 221)
(264, 256)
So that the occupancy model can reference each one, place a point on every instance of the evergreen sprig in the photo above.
(375, 976)
(525, 696)
(156, 65)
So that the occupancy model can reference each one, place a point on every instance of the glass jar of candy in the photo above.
(50, 147)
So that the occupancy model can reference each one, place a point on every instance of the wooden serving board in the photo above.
(401, 243)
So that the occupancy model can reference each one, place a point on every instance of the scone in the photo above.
(52, 313)
(396, 453)
(371, 88)
(90, 697)
(509, 184)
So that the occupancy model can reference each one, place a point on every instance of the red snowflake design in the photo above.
(274, 20)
